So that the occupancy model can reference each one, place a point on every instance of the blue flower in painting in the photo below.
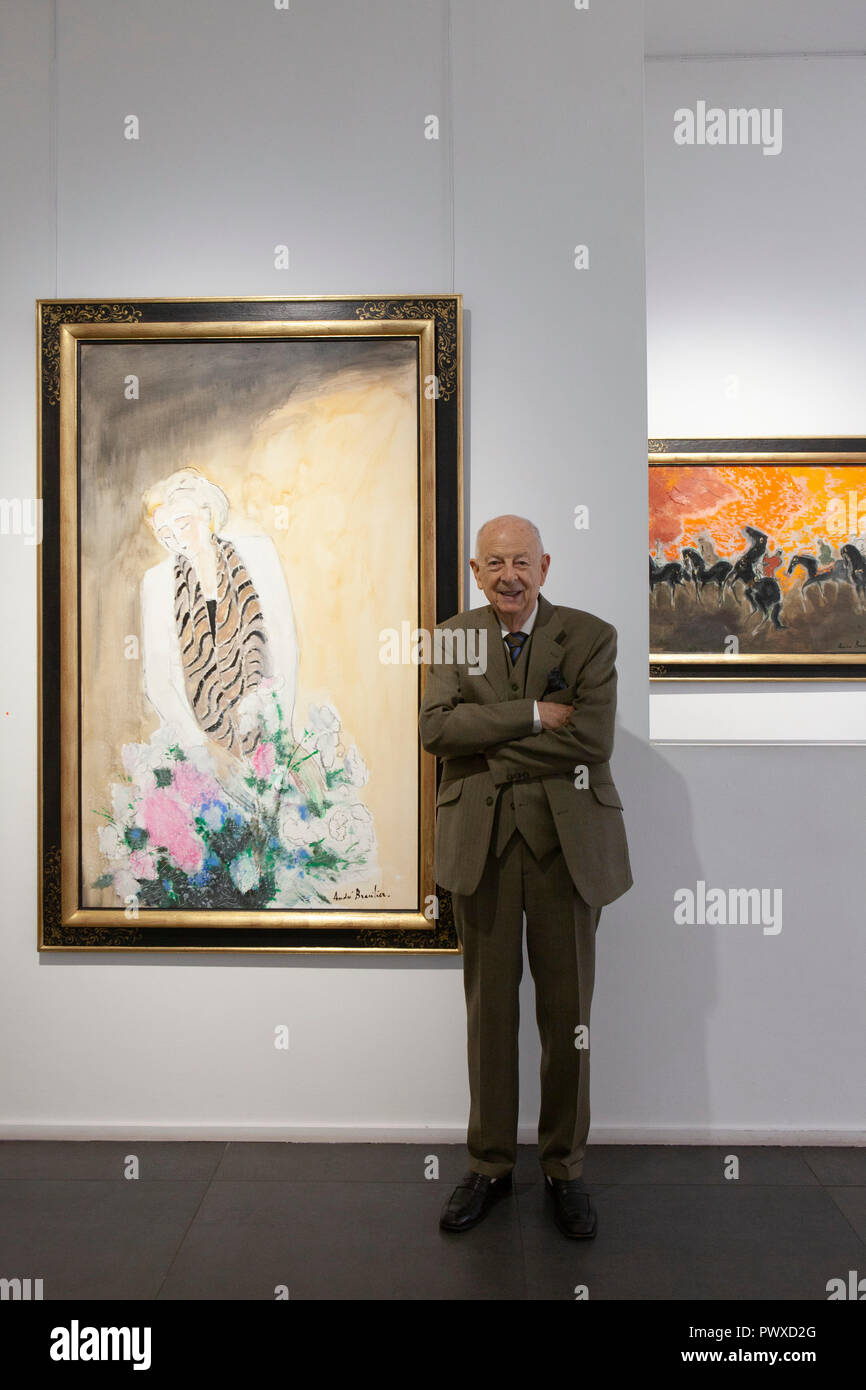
(211, 860)
(214, 814)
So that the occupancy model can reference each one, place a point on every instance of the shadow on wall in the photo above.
(655, 981)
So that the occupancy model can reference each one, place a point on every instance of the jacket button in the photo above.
(514, 685)
(490, 801)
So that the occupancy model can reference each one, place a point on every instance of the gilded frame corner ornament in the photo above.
(54, 316)
(445, 313)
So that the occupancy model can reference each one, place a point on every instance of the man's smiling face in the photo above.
(510, 567)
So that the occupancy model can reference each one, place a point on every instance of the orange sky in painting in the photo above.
(790, 503)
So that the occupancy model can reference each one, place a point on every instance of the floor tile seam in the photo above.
(189, 1225)
(844, 1214)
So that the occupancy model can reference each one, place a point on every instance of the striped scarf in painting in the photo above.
(217, 674)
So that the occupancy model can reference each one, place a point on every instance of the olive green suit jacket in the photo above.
(481, 728)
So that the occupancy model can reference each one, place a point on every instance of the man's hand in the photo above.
(553, 714)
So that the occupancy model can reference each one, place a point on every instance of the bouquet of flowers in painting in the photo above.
(282, 827)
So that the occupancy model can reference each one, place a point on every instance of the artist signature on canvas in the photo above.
(374, 892)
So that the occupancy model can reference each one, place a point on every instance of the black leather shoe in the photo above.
(573, 1211)
(471, 1201)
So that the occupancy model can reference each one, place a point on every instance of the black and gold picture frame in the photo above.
(250, 509)
(757, 563)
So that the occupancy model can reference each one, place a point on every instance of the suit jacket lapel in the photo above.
(495, 671)
(545, 649)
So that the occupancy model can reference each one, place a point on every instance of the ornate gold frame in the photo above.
(65, 324)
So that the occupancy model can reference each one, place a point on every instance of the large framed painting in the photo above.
(757, 564)
(251, 511)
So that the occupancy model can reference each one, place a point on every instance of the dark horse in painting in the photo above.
(745, 569)
(702, 575)
(671, 574)
(857, 565)
(833, 574)
(765, 596)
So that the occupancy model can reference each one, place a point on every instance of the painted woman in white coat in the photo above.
(225, 806)
(217, 619)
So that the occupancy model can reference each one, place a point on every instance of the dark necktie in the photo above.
(514, 641)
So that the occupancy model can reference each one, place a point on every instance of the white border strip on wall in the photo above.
(765, 716)
(408, 1134)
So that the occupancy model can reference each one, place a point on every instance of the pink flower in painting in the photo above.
(263, 760)
(167, 822)
(142, 864)
(192, 786)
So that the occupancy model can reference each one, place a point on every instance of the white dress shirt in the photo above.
(527, 628)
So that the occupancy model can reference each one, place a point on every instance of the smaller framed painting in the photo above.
(757, 559)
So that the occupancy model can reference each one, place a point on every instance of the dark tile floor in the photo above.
(360, 1221)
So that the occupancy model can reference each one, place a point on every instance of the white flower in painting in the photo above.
(244, 872)
(163, 738)
(110, 842)
(297, 829)
(139, 762)
(339, 826)
(325, 728)
(261, 706)
(135, 758)
(122, 797)
(355, 768)
(363, 828)
(125, 886)
(350, 827)
(248, 712)
(201, 759)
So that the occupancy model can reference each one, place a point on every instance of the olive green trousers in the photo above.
(560, 945)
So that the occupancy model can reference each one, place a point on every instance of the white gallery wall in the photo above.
(306, 127)
(756, 288)
(755, 273)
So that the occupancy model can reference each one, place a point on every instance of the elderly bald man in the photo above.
(528, 820)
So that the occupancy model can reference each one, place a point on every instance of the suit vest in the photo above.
(522, 807)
